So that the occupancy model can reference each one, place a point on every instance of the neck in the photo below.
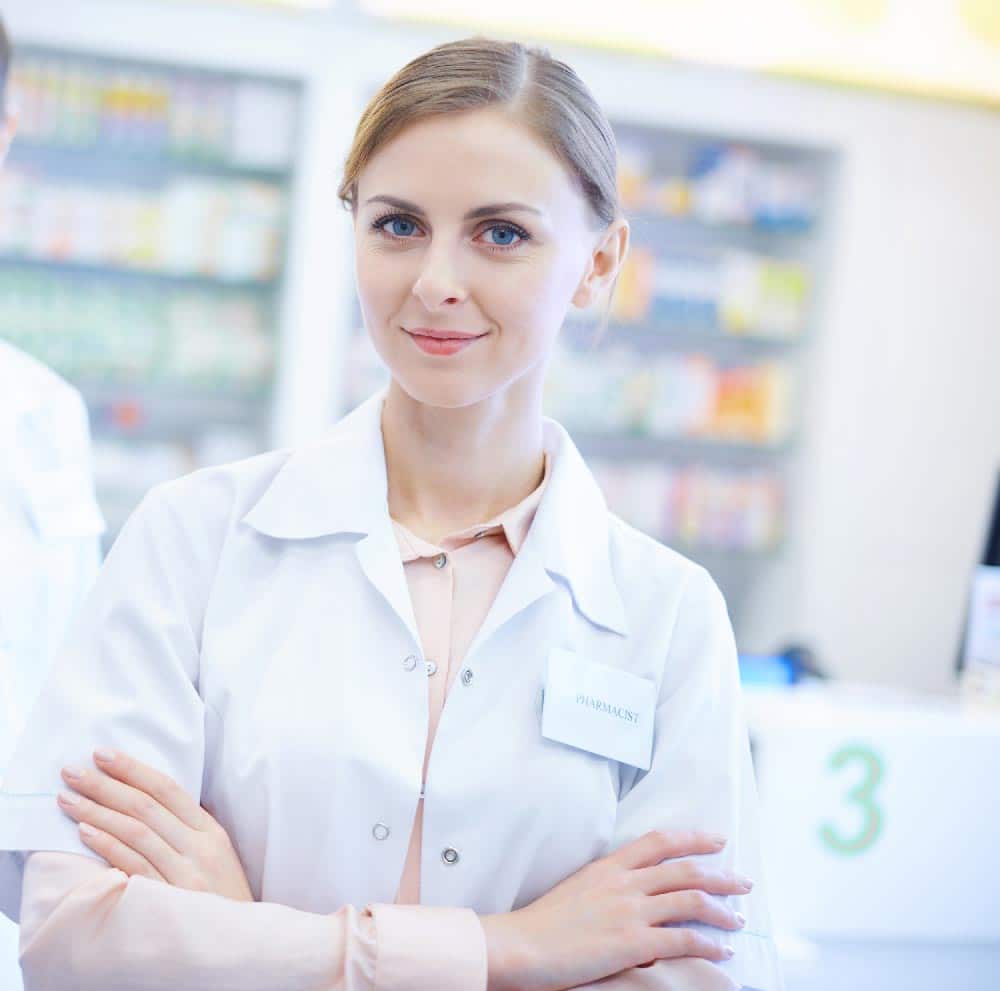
(451, 468)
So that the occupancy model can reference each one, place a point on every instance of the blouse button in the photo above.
(431, 667)
(410, 662)
(380, 830)
(467, 677)
(441, 560)
(449, 855)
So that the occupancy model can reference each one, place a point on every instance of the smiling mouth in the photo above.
(442, 335)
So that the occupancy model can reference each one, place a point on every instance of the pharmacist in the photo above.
(363, 656)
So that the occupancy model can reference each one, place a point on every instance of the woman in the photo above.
(277, 638)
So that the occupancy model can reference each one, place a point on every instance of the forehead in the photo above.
(464, 159)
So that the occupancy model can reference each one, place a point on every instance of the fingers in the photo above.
(119, 855)
(692, 906)
(132, 842)
(661, 844)
(672, 943)
(681, 875)
(120, 797)
(154, 783)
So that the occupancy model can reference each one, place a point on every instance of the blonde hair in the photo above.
(539, 90)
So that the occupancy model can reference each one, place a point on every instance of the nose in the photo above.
(439, 282)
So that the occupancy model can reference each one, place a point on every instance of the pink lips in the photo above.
(443, 341)
(442, 335)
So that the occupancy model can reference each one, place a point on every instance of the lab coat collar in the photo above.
(338, 485)
(512, 523)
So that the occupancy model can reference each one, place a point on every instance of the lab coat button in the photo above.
(410, 662)
(431, 667)
(441, 560)
(467, 677)
(449, 855)
(380, 830)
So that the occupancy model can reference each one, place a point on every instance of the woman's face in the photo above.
(468, 222)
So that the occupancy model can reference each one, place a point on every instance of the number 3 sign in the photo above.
(863, 796)
(878, 815)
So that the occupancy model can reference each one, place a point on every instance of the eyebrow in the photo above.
(480, 211)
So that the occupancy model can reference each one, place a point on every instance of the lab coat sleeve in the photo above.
(701, 777)
(85, 926)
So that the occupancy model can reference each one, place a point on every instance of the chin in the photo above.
(442, 391)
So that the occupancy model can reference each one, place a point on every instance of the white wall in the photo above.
(902, 419)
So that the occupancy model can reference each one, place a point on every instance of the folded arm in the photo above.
(85, 925)
(88, 926)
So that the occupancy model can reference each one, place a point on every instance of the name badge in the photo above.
(598, 708)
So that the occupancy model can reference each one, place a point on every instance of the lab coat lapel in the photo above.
(525, 583)
(567, 537)
(378, 554)
(338, 485)
(378, 551)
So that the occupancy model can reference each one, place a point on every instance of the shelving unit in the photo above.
(687, 406)
(694, 426)
(144, 216)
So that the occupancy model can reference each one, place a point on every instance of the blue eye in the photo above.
(504, 235)
(396, 225)
(401, 227)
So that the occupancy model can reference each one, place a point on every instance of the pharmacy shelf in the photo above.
(634, 446)
(690, 226)
(654, 338)
(715, 555)
(175, 406)
(114, 143)
(92, 165)
(138, 276)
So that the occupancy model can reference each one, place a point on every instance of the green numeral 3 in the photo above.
(864, 796)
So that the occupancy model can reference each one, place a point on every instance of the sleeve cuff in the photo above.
(428, 948)
(31, 822)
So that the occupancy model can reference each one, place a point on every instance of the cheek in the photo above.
(533, 295)
(381, 282)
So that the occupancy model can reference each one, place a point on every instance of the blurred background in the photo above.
(799, 386)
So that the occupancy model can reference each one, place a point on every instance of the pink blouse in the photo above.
(86, 925)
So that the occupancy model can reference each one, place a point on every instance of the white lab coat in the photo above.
(50, 552)
(249, 635)
(50, 527)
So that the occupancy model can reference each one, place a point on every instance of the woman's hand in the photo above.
(146, 824)
(608, 916)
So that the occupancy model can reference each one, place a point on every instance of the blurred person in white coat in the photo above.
(50, 525)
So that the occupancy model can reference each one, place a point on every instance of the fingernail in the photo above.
(103, 753)
(729, 951)
(718, 840)
(87, 829)
(73, 771)
(68, 798)
(741, 918)
(745, 882)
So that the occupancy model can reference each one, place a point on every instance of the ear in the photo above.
(603, 264)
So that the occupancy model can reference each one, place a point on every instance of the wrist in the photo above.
(507, 951)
